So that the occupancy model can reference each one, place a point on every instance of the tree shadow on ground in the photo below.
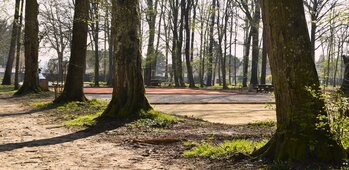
(20, 113)
(100, 127)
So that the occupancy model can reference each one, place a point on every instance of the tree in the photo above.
(73, 88)
(210, 47)
(297, 138)
(31, 52)
(57, 23)
(186, 7)
(19, 38)
(128, 98)
(11, 56)
(345, 83)
(95, 30)
(151, 54)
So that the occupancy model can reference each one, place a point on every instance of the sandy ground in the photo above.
(27, 143)
(234, 114)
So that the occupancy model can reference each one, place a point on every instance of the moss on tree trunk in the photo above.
(128, 98)
(297, 138)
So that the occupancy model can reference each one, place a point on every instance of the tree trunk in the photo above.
(11, 55)
(264, 59)
(73, 88)
(174, 8)
(298, 138)
(345, 83)
(96, 39)
(151, 19)
(186, 10)
(255, 45)
(179, 50)
(128, 98)
(210, 48)
(31, 45)
(110, 52)
(247, 45)
(19, 45)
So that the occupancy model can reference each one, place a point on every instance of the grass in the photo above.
(75, 113)
(85, 120)
(223, 150)
(7, 89)
(154, 119)
(262, 124)
(85, 114)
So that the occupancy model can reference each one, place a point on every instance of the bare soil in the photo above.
(34, 139)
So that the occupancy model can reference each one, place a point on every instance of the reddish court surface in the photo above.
(161, 91)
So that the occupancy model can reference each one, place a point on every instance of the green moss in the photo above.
(7, 89)
(85, 120)
(154, 118)
(263, 124)
(223, 150)
(93, 104)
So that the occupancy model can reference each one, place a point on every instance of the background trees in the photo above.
(201, 40)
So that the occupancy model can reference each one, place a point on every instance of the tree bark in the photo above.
(298, 138)
(247, 45)
(264, 59)
(73, 88)
(186, 9)
(345, 83)
(11, 55)
(255, 45)
(128, 98)
(31, 45)
(210, 48)
(151, 54)
(19, 45)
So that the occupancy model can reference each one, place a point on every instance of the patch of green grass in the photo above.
(154, 119)
(72, 106)
(263, 124)
(7, 89)
(85, 120)
(223, 150)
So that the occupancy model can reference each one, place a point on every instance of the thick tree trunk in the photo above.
(31, 44)
(73, 88)
(11, 55)
(128, 98)
(298, 138)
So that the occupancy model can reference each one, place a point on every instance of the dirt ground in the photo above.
(233, 114)
(32, 139)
